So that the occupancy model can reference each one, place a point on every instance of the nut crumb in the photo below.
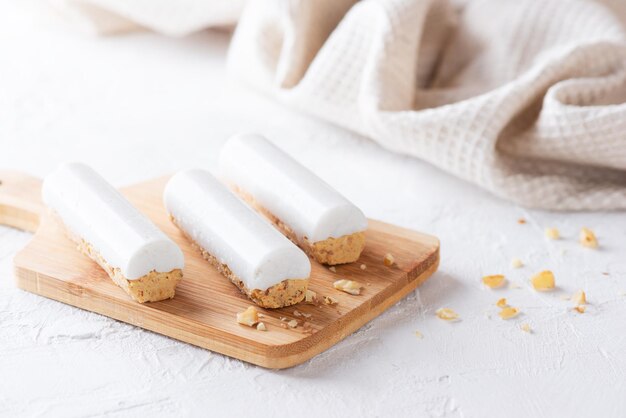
(447, 314)
(329, 300)
(580, 308)
(297, 313)
(261, 326)
(293, 323)
(501, 303)
(516, 263)
(248, 317)
(521, 221)
(526, 328)
(579, 298)
(552, 233)
(389, 260)
(543, 281)
(508, 312)
(310, 296)
(419, 335)
(363, 266)
(587, 238)
(348, 286)
(493, 281)
(333, 269)
(283, 325)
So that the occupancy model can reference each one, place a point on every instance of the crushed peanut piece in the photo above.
(543, 281)
(580, 298)
(388, 260)
(501, 303)
(248, 317)
(447, 314)
(297, 313)
(516, 263)
(306, 315)
(363, 266)
(587, 238)
(508, 312)
(293, 323)
(348, 286)
(419, 335)
(261, 326)
(329, 300)
(526, 328)
(310, 296)
(552, 233)
(493, 281)
(580, 308)
(521, 221)
(283, 325)
(333, 269)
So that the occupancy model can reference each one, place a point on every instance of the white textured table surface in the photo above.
(140, 106)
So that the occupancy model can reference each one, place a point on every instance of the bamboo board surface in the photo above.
(204, 309)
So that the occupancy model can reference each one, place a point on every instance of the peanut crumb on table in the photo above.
(516, 263)
(508, 312)
(261, 326)
(587, 238)
(419, 335)
(552, 233)
(501, 303)
(543, 281)
(446, 314)
(526, 328)
(389, 260)
(494, 281)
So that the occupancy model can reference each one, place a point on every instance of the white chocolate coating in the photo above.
(96, 212)
(291, 192)
(237, 236)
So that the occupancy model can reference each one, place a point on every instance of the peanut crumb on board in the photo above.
(310, 296)
(293, 323)
(363, 266)
(419, 335)
(579, 298)
(580, 308)
(348, 286)
(248, 317)
(493, 281)
(552, 233)
(543, 281)
(261, 326)
(283, 325)
(389, 260)
(508, 312)
(587, 238)
(447, 314)
(521, 221)
(329, 300)
(526, 328)
(516, 263)
(501, 303)
(333, 269)
(301, 314)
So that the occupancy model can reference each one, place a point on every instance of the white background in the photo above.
(142, 105)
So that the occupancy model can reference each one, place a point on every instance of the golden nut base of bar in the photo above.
(152, 287)
(286, 293)
(331, 251)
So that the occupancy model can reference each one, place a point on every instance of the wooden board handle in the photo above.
(20, 200)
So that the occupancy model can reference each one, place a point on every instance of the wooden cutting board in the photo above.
(204, 309)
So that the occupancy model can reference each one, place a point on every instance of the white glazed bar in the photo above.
(305, 208)
(262, 263)
(138, 256)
